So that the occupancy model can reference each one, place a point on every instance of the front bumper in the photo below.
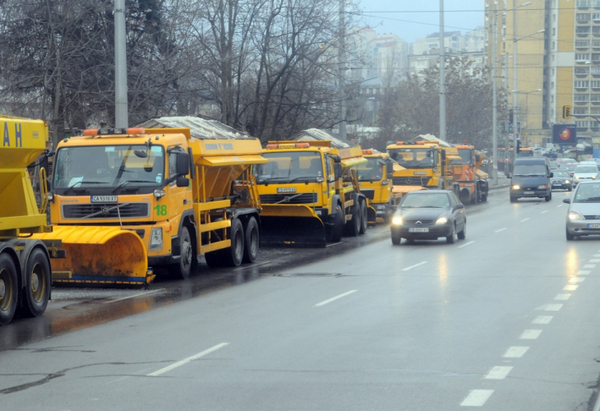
(583, 227)
(434, 231)
(530, 192)
(561, 185)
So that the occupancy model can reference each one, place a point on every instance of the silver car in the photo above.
(583, 217)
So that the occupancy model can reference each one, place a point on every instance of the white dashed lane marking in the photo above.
(477, 398)
(562, 297)
(570, 287)
(542, 319)
(530, 334)
(589, 266)
(525, 219)
(414, 266)
(576, 280)
(502, 229)
(498, 373)
(185, 361)
(466, 244)
(550, 307)
(337, 297)
(515, 352)
(583, 272)
(594, 260)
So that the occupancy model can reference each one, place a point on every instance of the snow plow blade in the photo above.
(291, 225)
(99, 256)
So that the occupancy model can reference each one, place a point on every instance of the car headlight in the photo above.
(397, 220)
(575, 216)
(567, 181)
(156, 239)
(593, 177)
(575, 178)
(516, 187)
(543, 187)
(441, 220)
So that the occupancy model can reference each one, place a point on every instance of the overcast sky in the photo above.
(411, 19)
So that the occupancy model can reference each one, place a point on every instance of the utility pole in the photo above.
(342, 69)
(121, 111)
(515, 88)
(494, 103)
(442, 76)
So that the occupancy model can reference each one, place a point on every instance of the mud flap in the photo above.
(99, 255)
(292, 232)
(372, 215)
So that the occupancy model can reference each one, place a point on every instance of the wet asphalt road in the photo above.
(504, 320)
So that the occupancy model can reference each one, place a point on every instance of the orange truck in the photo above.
(472, 181)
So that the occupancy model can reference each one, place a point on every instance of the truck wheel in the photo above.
(252, 241)
(483, 197)
(184, 267)
(364, 218)
(214, 259)
(234, 255)
(8, 289)
(36, 292)
(335, 233)
(352, 227)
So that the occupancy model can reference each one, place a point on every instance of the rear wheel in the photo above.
(352, 227)
(252, 242)
(8, 289)
(234, 255)
(364, 219)
(36, 292)
(184, 267)
(450, 238)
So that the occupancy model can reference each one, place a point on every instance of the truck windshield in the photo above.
(289, 167)
(466, 157)
(372, 170)
(413, 157)
(108, 167)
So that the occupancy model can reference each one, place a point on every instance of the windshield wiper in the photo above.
(132, 181)
(592, 199)
(81, 182)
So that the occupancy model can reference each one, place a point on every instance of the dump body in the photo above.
(472, 181)
(25, 267)
(426, 164)
(309, 193)
(178, 194)
(375, 178)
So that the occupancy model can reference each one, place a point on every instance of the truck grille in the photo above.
(411, 181)
(291, 198)
(104, 211)
(369, 193)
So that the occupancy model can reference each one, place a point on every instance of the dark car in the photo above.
(561, 180)
(429, 215)
(531, 178)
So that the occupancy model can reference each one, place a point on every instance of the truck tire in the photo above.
(183, 268)
(334, 234)
(8, 289)
(234, 255)
(36, 293)
(251, 245)
(352, 227)
(364, 219)
(484, 197)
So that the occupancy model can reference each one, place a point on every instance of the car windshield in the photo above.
(431, 200)
(587, 193)
(109, 166)
(413, 157)
(561, 174)
(372, 170)
(586, 170)
(290, 166)
(529, 170)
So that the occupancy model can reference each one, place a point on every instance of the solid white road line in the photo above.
(502, 229)
(133, 296)
(550, 307)
(466, 244)
(530, 334)
(570, 287)
(545, 211)
(525, 219)
(335, 298)
(498, 373)
(185, 361)
(542, 319)
(562, 297)
(413, 266)
(515, 352)
(476, 398)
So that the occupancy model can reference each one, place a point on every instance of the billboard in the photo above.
(564, 134)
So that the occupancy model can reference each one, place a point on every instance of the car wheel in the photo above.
(569, 188)
(548, 197)
(450, 238)
(462, 234)
(570, 237)
(396, 239)
(513, 199)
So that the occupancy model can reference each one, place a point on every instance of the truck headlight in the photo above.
(156, 239)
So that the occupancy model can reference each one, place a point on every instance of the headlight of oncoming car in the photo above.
(441, 220)
(516, 187)
(397, 220)
(156, 239)
(567, 181)
(575, 216)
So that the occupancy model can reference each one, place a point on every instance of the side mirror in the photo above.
(337, 170)
(183, 182)
(567, 200)
(183, 164)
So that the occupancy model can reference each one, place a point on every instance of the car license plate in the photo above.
(593, 226)
(104, 199)
(528, 193)
(418, 230)
(555, 184)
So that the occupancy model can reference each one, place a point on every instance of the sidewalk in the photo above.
(503, 182)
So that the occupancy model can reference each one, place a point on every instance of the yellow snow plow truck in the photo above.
(309, 191)
(181, 195)
(25, 269)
